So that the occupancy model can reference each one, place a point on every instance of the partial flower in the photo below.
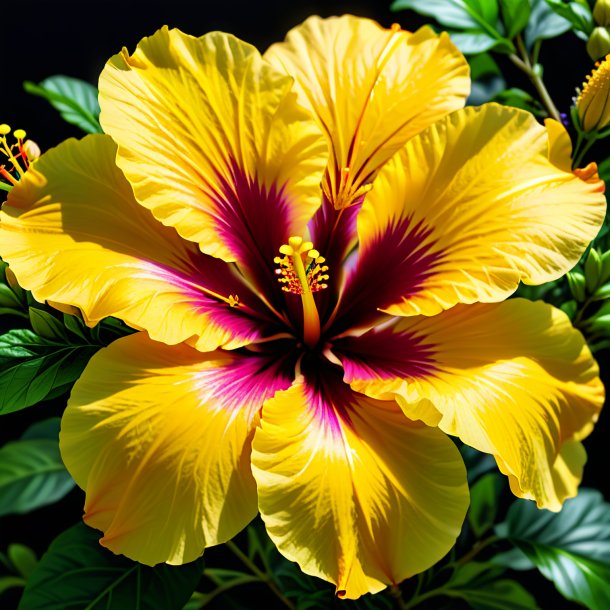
(17, 156)
(593, 102)
(304, 350)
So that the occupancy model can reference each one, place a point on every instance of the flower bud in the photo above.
(598, 44)
(32, 149)
(601, 13)
(593, 103)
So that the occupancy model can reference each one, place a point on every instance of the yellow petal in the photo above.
(513, 379)
(352, 490)
(159, 438)
(73, 234)
(565, 472)
(474, 206)
(371, 90)
(212, 141)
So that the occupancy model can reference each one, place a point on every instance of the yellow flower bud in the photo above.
(598, 44)
(601, 13)
(593, 103)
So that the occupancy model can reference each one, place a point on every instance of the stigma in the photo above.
(302, 271)
(19, 155)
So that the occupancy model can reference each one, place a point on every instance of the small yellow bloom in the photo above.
(593, 103)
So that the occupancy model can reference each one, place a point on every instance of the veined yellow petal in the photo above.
(352, 490)
(159, 438)
(474, 205)
(73, 233)
(371, 90)
(513, 379)
(213, 142)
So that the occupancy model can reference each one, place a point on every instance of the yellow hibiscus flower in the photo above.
(343, 164)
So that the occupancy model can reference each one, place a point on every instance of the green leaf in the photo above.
(487, 10)
(477, 42)
(45, 429)
(576, 13)
(78, 573)
(75, 100)
(31, 475)
(23, 559)
(8, 298)
(451, 13)
(570, 548)
(502, 594)
(487, 80)
(477, 583)
(46, 325)
(32, 367)
(484, 496)
(10, 582)
(603, 170)
(515, 15)
(76, 327)
(513, 559)
(544, 23)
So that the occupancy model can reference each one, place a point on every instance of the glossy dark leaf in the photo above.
(31, 475)
(77, 573)
(484, 500)
(571, 548)
(31, 367)
(76, 100)
(515, 15)
(481, 586)
(544, 23)
(451, 13)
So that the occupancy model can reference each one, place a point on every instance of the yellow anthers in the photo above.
(593, 103)
(18, 154)
(301, 269)
(233, 300)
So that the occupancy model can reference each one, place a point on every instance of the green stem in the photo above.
(578, 318)
(264, 577)
(5, 187)
(206, 598)
(476, 549)
(415, 601)
(579, 154)
(396, 593)
(524, 63)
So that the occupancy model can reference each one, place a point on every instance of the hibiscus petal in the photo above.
(73, 233)
(371, 90)
(465, 211)
(352, 490)
(213, 142)
(159, 437)
(513, 379)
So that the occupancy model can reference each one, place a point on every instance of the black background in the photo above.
(42, 38)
